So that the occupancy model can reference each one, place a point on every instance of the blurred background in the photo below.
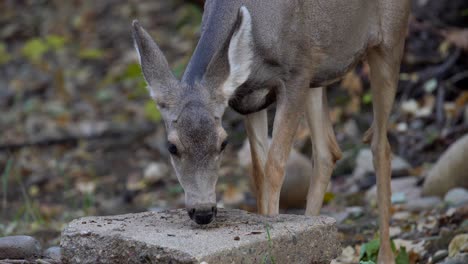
(80, 136)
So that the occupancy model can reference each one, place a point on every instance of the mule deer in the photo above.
(254, 53)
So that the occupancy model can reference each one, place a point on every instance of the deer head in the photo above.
(192, 112)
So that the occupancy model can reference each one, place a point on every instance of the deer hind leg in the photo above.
(256, 125)
(384, 64)
(325, 149)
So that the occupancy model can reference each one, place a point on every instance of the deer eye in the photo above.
(172, 149)
(223, 145)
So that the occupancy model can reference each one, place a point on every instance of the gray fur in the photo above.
(319, 40)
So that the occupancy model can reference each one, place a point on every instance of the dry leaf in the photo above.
(458, 37)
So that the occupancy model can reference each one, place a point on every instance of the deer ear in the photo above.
(240, 53)
(153, 63)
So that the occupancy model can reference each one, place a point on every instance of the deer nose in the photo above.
(203, 215)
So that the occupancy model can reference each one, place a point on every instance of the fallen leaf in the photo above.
(458, 37)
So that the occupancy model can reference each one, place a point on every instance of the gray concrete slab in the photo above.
(171, 237)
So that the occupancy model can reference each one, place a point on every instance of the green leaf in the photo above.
(392, 244)
(367, 98)
(402, 257)
(55, 41)
(91, 54)
(370, 250)
(328, 197)
(133, 71)
(179, 69)
(152, 112)
(4, 56)
(34, 49)
(175, 190)
(464, 12)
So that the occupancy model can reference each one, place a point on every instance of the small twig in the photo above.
(73, 139)
(432, 72)
(457, 77)
(199, 3)
(450, 132)
(5, 178)
(440, 115)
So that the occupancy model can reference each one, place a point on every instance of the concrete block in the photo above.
(171, 237)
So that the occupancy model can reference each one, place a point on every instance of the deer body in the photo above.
(326, 38)
(253, 53)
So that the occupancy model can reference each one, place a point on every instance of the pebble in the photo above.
(54, 253)
(403, 215)
(405, 186)
(19, 247)
(365, 164)
(459, 244)
(395, 231)
(439, 255)
(351, 129)
(155, 172)
(458, 259)
(355, 211)
(456, 197)
(398, 198)
(423, 204)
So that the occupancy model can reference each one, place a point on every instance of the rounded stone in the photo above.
(19, 247)
(440, 255)
(54, 253)
(456, 197)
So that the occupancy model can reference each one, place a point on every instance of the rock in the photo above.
(456, 197)
(339, 216)
(297, 177)
(351, 129)
(346, 164)
(54, 253)
(465, 115)
(458, 259)
(19, 247)
(355, 211)
(459, 244)
(364, 164)
(439, 255)
(406, 186)
(398, 198)
(400, 216)
(450, 171)
(155, 172)
(366, 182)
(171, 237)
(422, 204)
(296, 182)
(426, 223)
(348, 255)
(395, 231)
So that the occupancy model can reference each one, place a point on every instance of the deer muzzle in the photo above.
(203, 214)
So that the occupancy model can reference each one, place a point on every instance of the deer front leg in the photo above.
(289, 110)
(325, 149)
(256, 125)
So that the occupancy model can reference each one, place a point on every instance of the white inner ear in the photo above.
(240, 55)
(138, 51)
(150, 89)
